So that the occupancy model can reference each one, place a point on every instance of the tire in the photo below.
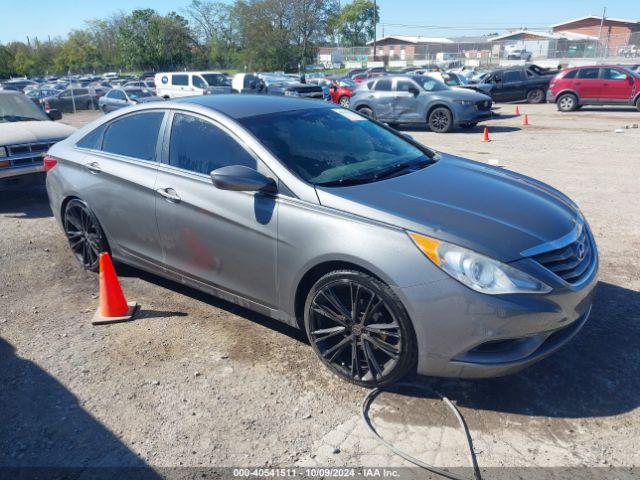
(535, 96)
(343, 101)
(85, 236)
(367, 112)
(104, 109)
(468, 126)
(440, 120)
(567, 102)
(373, 347)
(638, 103)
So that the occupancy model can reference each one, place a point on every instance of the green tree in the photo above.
(6, 62)
(354, 24)
(78, 53)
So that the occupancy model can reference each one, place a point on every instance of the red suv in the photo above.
(595, 85)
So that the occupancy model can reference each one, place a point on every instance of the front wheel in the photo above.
(359, 329)
(535, 96)
(85, 236)
(367, 112)
(344, 101)
(440, 120)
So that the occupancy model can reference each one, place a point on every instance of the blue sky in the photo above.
(56, 17)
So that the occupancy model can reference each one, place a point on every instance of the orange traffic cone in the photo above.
(485, 135)
(525, 120)
(517, 112)
(113, 305)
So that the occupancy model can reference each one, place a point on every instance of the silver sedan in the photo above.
(392, 257)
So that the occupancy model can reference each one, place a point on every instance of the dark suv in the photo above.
(595, 85)
(529, 83)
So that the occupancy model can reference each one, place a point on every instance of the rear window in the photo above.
(93, 139)
(180, 80)
(589, 73)
(134, 136)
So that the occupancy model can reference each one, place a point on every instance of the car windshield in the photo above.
(216, 80)
(334, 146)
(632, 72)
(18, 108)
(135, 94)
(430, 84)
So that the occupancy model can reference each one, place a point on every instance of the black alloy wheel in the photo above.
(359, 329)
(344, 101)
(535, 96)
(440, 120)
(86, 238)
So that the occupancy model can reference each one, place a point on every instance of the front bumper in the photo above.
(465, 334)
(551, 98)
(471, 114)
(16, 171)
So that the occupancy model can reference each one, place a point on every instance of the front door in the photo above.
(406, 105)
(616, 85)
(513, 86)
(226, 239)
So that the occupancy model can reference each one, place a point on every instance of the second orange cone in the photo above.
(485, 135)
(113, 304)
(525, 120)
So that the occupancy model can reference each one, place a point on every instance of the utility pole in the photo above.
(604, 12)
(375, 29)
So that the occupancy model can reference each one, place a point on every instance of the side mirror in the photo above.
(54, 114)
(241, 179)
(414, 91)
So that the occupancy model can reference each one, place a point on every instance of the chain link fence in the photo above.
(553, 49)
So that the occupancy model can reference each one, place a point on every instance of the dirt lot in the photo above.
(196, 381)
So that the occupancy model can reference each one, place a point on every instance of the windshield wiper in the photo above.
(393, 171)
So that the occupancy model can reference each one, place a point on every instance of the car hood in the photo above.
(12, 133)
(492, 211)
(462, 94)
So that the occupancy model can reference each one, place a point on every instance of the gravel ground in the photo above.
(195, 381)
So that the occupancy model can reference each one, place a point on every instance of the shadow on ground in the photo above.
(596, 375)
(45, 432)
(477, 130)
(25, 201)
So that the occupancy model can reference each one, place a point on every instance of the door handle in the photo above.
(169, 194)
(93, 167)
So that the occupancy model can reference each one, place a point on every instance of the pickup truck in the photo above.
(528, 82)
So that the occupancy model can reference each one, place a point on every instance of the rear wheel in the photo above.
(567, 102)
(359, 329)
(367, 112)
(535, 96)
(85, 236)
(440, 120)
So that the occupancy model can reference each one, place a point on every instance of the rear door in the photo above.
(616, 86)
(226, 239)
(119, 183)
(588, 84)
(383, 99)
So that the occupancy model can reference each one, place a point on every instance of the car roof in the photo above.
(239, 106)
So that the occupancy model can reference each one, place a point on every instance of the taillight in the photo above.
(49, 163)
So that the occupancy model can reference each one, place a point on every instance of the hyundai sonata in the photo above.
(391, 256)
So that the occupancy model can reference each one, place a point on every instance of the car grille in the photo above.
(573, 262)
(483, 105)
(27, 154)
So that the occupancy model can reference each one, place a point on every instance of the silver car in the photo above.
(120, 97)
(420, 99)
(391, 256)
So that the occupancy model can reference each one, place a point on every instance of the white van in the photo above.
(187, 84)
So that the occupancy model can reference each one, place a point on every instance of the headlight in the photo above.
(480, 273)
(464, 102)
(3, 152)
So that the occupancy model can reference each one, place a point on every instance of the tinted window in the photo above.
(588, 73)
(404, 85)
(512, 76)
(383, 85)
(199, 146)
(613, 74)
(134, 136)
(81, 91)
(198, 82)
(117, 95)
(180, 79)
(93, 139)
(570, 74)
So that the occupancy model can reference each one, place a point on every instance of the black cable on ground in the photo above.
(366, 404)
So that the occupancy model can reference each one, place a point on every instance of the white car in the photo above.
(187, 84)
(26, 133)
